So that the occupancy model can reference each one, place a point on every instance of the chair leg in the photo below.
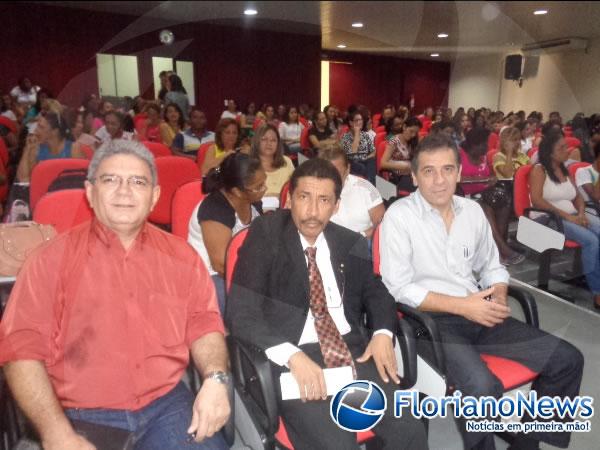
(544, 270)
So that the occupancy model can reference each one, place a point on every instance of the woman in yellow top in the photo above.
(268, 148)
(172, 125)
(227, 139)
(506, 162)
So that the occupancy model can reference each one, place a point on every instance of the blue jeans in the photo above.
(220, 289)
(589, 239)
(161, 425)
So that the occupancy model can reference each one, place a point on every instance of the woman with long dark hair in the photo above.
(177, 95)
(173, 124)
(399, 150)
(233, 189)
(553, 190)
(51, 140)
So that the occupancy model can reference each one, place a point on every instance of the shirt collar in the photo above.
(319, 243)
(108, 237)
(424, 206)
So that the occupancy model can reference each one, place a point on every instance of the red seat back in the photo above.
(573, 168)
(379, 137)
(380, 129)
(521, 196)
(532, 151)
(304, 142)
(3, 153)
(87, 151)
(45, 172)
(380, 150)
(376, 254)
(376, 119)
(232, 255)
(490, 156)
(173, 172)
(158, 149)
(63, 209)
(8, 123)
(493, 139)
(573, 142)
(201, 155)
(285, 189)
(185, 199)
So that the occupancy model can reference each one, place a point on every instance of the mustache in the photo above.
(312, 221)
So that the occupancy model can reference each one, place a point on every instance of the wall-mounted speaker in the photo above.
(512, 67)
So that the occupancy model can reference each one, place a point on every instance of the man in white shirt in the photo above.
(298, 293)
(438, 255)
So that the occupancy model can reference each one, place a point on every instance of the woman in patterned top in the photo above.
(398, 152)
(359, 147)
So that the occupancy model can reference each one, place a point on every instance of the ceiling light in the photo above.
(341, 46)
(357, 25)
(434, 55)
(250, 12)
(540, 12)
(442, 35)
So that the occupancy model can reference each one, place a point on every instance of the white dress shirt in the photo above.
(280, 354)
(418, 254)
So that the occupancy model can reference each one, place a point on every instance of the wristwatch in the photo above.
(219, 376)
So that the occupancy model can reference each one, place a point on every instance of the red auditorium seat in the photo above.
(379, 137)
(376, 119)
(201, 155)
(45, 172)
(304, 141)
(285, 189)
(185, 199)
(63, 209)
(490, 157)
(158, 149)
(87, 151)
(173, 172)
(380, 150)
(493, 140)
(573, 142)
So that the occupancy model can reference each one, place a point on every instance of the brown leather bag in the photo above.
(17, 241)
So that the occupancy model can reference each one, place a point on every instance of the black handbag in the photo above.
(104, 437)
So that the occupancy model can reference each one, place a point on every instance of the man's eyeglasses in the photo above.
(113, 181)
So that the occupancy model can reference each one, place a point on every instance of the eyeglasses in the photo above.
(114, 181)
(261, 188)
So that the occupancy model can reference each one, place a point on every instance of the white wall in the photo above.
(568, 82)
(475, 81)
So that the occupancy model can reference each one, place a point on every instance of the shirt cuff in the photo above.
(281, 354)
(386, 332)
(413, 295)
(496, 276)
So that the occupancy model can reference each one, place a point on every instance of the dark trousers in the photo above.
(310, 427)
(559, 364)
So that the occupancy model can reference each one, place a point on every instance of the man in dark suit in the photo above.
(304, 308)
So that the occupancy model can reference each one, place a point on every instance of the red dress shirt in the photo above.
(113, 327)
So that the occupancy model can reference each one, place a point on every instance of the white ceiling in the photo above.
(393, 28)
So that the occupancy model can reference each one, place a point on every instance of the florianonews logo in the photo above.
(358, 406)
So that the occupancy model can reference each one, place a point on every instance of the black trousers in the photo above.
(559, 364)
(310, 427)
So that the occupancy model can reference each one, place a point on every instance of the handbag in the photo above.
(17, 241)
(104, 437)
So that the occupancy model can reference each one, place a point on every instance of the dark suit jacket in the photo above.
(269, 299)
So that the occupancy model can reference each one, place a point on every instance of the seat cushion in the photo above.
(511, 373)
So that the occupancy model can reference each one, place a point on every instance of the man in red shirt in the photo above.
(102, 320)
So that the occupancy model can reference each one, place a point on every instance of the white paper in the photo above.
(335, 379)
(270, 203)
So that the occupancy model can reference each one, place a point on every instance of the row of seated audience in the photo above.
(298, 293)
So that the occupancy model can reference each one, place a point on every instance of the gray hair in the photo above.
(122, 147)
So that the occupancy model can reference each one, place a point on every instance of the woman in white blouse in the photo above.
(291, 130)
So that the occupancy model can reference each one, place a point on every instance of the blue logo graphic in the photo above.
(358, 406)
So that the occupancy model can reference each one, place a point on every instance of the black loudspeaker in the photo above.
(512, 67)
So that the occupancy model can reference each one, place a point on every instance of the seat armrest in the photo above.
(428, 327)
(252, 375)
(552, 215)
(528, 304)
(408, 347)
